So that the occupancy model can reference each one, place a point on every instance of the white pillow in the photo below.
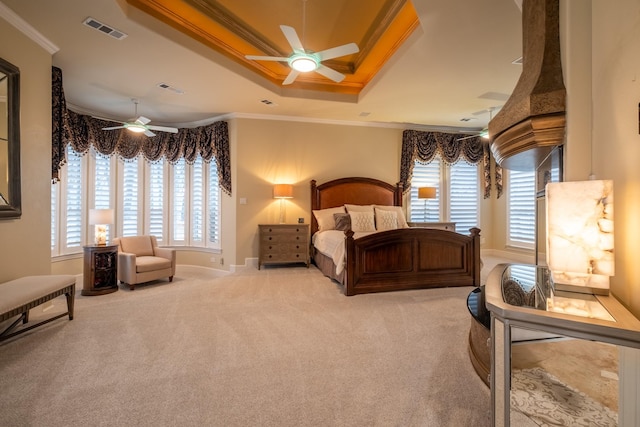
(386, 220)
(362, 221)
(325, 217)
(359, 208)
(402, 221)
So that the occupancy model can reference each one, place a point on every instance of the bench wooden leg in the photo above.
(70, 303)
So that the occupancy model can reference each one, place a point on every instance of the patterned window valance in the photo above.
(82, 132)
(424, 146)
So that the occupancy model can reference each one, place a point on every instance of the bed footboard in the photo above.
(412, 258)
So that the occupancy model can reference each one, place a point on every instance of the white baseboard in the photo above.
(248, 263)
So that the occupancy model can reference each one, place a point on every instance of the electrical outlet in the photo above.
(212, 259)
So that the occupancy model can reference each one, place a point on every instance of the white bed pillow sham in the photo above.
(362, 221)
(325, 219)
(402, 221)
(359, 208)
(386, 220)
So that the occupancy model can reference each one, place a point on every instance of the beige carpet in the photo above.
(275, 347)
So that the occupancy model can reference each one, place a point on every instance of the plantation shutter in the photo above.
(156, 201)
(73, 195)
(425, 175)
(521, 208)
(179, 206)
(213, 204)
(197, 202)
(130, 198)
(102, 188)
(464, 196)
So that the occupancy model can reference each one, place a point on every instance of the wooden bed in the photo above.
(407, 258)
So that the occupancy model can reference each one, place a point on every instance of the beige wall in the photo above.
(616, 93)
(25, 242)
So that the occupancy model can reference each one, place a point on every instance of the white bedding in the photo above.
(331, 244)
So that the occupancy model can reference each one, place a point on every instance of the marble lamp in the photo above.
(580, 243)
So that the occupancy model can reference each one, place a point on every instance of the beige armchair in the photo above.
(140, 260)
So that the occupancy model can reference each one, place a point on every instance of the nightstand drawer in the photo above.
(283, 243)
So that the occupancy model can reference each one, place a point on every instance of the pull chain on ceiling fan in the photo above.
(302, 60)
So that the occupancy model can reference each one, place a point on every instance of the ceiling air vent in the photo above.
(268, 102)
(105, 29)
(170, 88)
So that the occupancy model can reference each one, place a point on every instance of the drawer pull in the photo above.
(297, 238)
(269, 237)
(270, 247)
(270, 230)
(269, 256)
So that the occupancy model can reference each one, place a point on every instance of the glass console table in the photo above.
(522, 296)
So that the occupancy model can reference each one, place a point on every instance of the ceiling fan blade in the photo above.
(149, 133)
(113, 127)
(163, 129)
(467, 137)
(335, 52)
(291, 77)
(142, 120)
(292, 37)
(330, 73)
(266, 58)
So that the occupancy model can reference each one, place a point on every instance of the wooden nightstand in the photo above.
(100, 269)
(283, 244)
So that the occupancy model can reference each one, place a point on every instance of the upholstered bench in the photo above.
(19, 296)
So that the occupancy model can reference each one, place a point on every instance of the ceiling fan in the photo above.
(484, 132)
(302, 60)
(139, 124)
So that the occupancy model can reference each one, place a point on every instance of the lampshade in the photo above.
(580, 244)
(427, 192)
(283, 191)
(101, 216)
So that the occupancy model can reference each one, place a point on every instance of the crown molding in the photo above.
(25, 28)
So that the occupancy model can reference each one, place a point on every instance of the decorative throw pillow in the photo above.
(402, 221)
(343, 221)
(362, 221)
(386, 220)
(359, 208)
(325, 217)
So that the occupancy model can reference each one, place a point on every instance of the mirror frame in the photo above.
(14, 199)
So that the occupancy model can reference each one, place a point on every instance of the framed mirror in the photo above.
(10, 200)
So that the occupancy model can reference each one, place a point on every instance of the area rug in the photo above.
(549, 402)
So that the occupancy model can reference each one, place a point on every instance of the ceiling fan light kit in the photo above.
(303, 62)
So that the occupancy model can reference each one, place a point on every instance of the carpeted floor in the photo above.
(275, 347)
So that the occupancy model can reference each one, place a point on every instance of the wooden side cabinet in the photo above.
(283, 244)
(100, 269)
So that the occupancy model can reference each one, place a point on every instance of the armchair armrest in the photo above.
(126, 267)
(168, 253)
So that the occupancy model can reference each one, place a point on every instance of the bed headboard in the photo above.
(355, 191)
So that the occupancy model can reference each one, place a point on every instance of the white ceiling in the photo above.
(457, 63)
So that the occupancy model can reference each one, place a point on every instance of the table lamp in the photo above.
(100, 218)
(426, 193)
(580, 246)
(282, 192)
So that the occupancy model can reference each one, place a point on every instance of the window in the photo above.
(179, 204)
(521, 209)
(457, 196)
